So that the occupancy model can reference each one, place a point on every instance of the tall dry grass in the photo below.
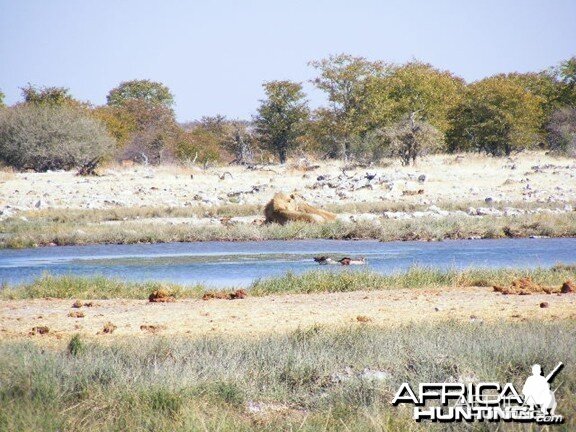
(313, 379)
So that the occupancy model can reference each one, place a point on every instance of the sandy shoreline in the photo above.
(274, 314)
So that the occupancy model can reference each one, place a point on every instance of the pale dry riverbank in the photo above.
(444, 196)
(529, 178)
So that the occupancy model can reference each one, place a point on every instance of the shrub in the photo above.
(410, 138)
(76, 346)
(198, 145)
(50, 137)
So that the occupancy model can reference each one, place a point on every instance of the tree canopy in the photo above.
(413, 87)
(344, 79)
(497, 116)
(281, 116)
(372, 110)
(141, 90)
(57, 96)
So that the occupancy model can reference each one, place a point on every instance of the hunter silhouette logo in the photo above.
(537, 391)
(456, 402)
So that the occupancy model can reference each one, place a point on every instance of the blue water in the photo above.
(239, 263)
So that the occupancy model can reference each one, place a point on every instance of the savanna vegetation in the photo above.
(57, 228)
(312, 379)
(374, 109)
(319, 281)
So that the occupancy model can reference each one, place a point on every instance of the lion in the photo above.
(289, 208)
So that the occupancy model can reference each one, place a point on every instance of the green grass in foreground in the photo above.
(16, 233)
(309, 380)
(317, 281)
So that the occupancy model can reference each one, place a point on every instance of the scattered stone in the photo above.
(363, 319)
(339, 377)
(77, 304)
(215, 295)
(76, 314)
(262, 409)
(39, 330)
(413, 192)
(374, 375)
(422, 178)
(488, 211)
(109, 328)
(544, 305)
(161, 296)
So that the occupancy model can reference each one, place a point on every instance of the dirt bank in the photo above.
(273, 314)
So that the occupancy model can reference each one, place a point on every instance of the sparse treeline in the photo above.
(374, 110)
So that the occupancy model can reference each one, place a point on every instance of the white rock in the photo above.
(375, 375)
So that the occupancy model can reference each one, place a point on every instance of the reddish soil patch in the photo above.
(219, 295)
(161, 296)
(78, 304)
(39, 330)
(109, 328)
(152, 328)
(525, 286)
(568, 287)
(76, 314)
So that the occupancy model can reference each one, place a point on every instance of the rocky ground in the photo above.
(251, 316)
(441, 185)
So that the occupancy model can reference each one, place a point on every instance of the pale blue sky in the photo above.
(214, 55)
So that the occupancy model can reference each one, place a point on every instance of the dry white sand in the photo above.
(448, 178)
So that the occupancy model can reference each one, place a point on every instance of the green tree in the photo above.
(566, 73)
(1, 98)
(142, 90)
(119, 122)
(155, 131)
(413, 88)
(281, 116)
(144, 118)
(57, 96)
(544, 85)
(479, 126)
(497, 116)
(343, 78)
(561, 131)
